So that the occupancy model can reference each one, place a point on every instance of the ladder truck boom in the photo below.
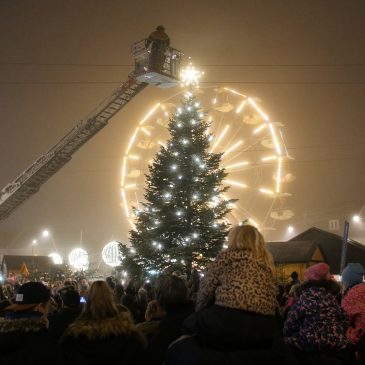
(29, 182)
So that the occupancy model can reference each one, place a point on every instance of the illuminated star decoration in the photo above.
(190, 76)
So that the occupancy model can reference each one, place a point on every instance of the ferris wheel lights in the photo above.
(220, 138)
(238, 164)
(259, 129)
(253, 222)
(234, 92)
(235, 183)
(240, 107)
(146, 131)
(277, 145)
(232, 148)
(266, 191)
(150, 113)
(125, 203)
(269, 158)
(278, 175)
(124, 169)
(264, 116)
(132, 140)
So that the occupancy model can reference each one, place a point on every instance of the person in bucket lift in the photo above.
(159, 42)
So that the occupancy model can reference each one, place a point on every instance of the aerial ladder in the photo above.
(146, 72)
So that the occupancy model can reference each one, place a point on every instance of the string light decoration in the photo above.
(57, 259)
(110, 254)
(79, 259)
(178, 226)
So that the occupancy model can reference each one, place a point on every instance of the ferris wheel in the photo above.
(253, 147)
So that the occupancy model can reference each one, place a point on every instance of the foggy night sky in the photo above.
(60, 59)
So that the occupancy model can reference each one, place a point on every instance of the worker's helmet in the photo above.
(161, 28)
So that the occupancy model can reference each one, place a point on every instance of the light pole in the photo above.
(34, 242)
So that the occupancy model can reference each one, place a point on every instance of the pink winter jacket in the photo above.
(353, 304)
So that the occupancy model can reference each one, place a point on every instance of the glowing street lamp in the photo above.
(45, 233)
(356, 218)
(290, 229)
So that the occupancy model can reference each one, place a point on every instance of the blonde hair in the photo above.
(100, 302)
(247, 237)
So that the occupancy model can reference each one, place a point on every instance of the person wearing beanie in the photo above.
(353, 300)
(70, 310)
(316, 324)
(24, 330)
(317, 272)
(353, 274)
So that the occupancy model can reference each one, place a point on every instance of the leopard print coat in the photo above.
(237, 279)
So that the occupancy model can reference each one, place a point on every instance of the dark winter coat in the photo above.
(316, 322)
(26, 341)
(189, 351)
(59, 322)
(169, 329)
(229, 336)
(231, 329)
(110, 341)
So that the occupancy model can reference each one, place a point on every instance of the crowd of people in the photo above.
(235, 314)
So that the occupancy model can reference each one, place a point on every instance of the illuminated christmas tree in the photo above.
(181, 225)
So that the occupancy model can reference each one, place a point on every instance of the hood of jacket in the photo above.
(23, 325)
(115, 326)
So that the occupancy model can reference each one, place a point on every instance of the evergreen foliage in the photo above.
(181, 224)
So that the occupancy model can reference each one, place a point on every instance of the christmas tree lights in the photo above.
(182, 223)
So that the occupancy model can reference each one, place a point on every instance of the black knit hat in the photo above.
(30, 294)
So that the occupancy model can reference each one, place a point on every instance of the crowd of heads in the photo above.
(240, 279)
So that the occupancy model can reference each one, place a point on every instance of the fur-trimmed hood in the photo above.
(23, 325)
(93, 330)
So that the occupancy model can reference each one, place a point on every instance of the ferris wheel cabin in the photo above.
(161, 69)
